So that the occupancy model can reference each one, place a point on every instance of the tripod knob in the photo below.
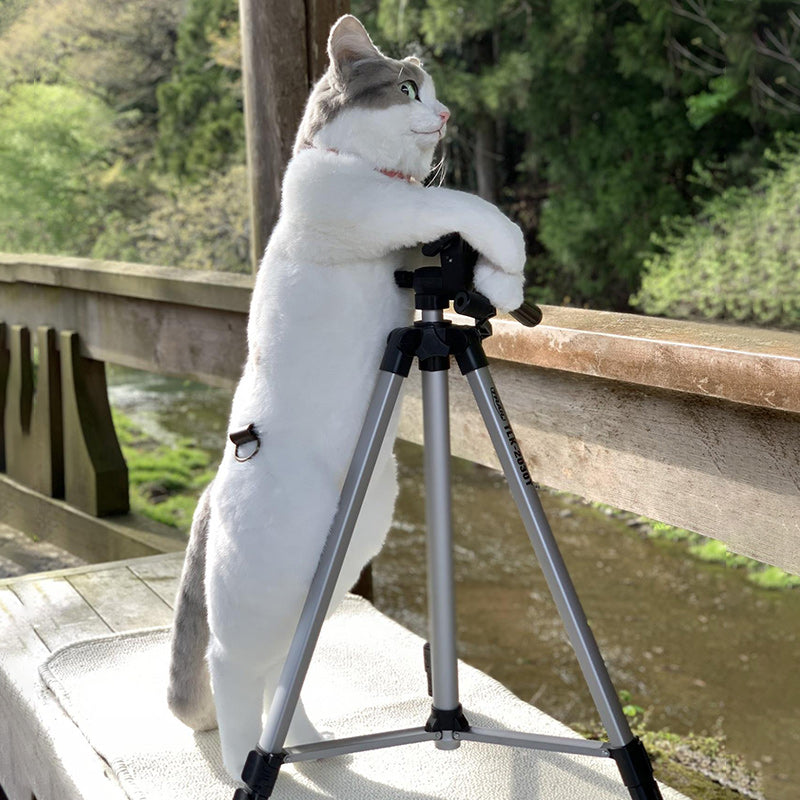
(404, 278)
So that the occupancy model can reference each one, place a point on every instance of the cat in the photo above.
(323, 303)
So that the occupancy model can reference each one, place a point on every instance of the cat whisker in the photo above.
(438, 174)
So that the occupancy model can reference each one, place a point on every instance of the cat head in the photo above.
(382, 110)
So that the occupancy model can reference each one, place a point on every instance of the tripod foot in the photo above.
(260, 773)
(636, 770)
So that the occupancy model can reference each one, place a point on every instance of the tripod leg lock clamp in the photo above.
(636, 770)
(401, 348)
(260, 773)
(447, 720)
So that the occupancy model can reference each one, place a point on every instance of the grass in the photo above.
(165, 479)
(705, 549)
(698, 766)
(716, 552)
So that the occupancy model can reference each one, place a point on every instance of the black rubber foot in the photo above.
(260, 773)
(636, 770)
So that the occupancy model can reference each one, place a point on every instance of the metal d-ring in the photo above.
(242, 437)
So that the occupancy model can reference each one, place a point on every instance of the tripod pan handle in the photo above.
(527, 314)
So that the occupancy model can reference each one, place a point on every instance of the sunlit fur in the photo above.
(323, 303)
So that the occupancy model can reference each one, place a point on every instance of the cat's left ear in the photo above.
(348, 43)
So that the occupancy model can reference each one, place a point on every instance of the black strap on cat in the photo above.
(243, 437)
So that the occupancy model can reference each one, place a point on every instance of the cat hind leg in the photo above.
(301, 729)
(238, 690)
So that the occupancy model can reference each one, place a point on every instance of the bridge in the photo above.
(693, 424)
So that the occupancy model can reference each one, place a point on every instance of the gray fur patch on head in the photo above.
(359, 75)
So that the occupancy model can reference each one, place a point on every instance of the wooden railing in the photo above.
(697, 425)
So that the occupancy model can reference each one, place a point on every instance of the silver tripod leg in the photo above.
(544, 544)
(438, 512)
(365, 456)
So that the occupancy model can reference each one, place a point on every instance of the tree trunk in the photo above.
(283, 52)
(486, 158)
(486, 139)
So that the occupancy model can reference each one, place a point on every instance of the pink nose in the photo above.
(445, 115)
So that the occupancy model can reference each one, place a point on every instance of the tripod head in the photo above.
(436, 287)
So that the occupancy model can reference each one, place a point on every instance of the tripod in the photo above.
(433, 341)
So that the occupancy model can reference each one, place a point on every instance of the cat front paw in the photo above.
(503, 289)
(500, 241)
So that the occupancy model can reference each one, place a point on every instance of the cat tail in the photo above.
(189, 692)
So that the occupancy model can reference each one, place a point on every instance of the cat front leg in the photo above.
(361, 218)
(499, 272)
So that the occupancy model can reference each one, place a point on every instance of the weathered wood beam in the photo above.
(33, 419)
(320, 16)
(88, 537)
(726, 470)
(95, 473)
(283, 51)
(749, 365)
(693, 424)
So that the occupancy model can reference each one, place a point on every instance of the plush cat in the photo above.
(323, 304)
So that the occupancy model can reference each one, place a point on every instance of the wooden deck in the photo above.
(77, 603)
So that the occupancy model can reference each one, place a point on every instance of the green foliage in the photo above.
(739, 258)
(201, 124)
(9, 11)
(632, 711)
(599, 112)
(588, 122)
(201, 225)
(715, 552)
(165, 479)
(116, 52)
(55, 146)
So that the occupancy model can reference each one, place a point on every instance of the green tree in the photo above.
(119, 53)
(201, 125)
(55, 149)
(595, 116)
(202, 224)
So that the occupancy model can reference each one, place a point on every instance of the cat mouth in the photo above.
(436, 131)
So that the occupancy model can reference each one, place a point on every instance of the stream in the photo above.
(696, 645)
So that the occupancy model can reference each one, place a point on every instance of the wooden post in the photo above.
(283, 52)
(4, 361)
(33, 424)
(95, 473)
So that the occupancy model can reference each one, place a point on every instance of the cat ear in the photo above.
(348, 43)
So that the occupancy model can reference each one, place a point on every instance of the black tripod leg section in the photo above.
(636, 770)
(260, 774)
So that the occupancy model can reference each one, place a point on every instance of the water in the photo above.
(695, 644)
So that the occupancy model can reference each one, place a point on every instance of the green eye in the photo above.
(410, 88)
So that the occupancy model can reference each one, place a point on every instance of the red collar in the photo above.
(393, 173)
(390, 173)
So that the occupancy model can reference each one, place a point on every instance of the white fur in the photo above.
(323, 303)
